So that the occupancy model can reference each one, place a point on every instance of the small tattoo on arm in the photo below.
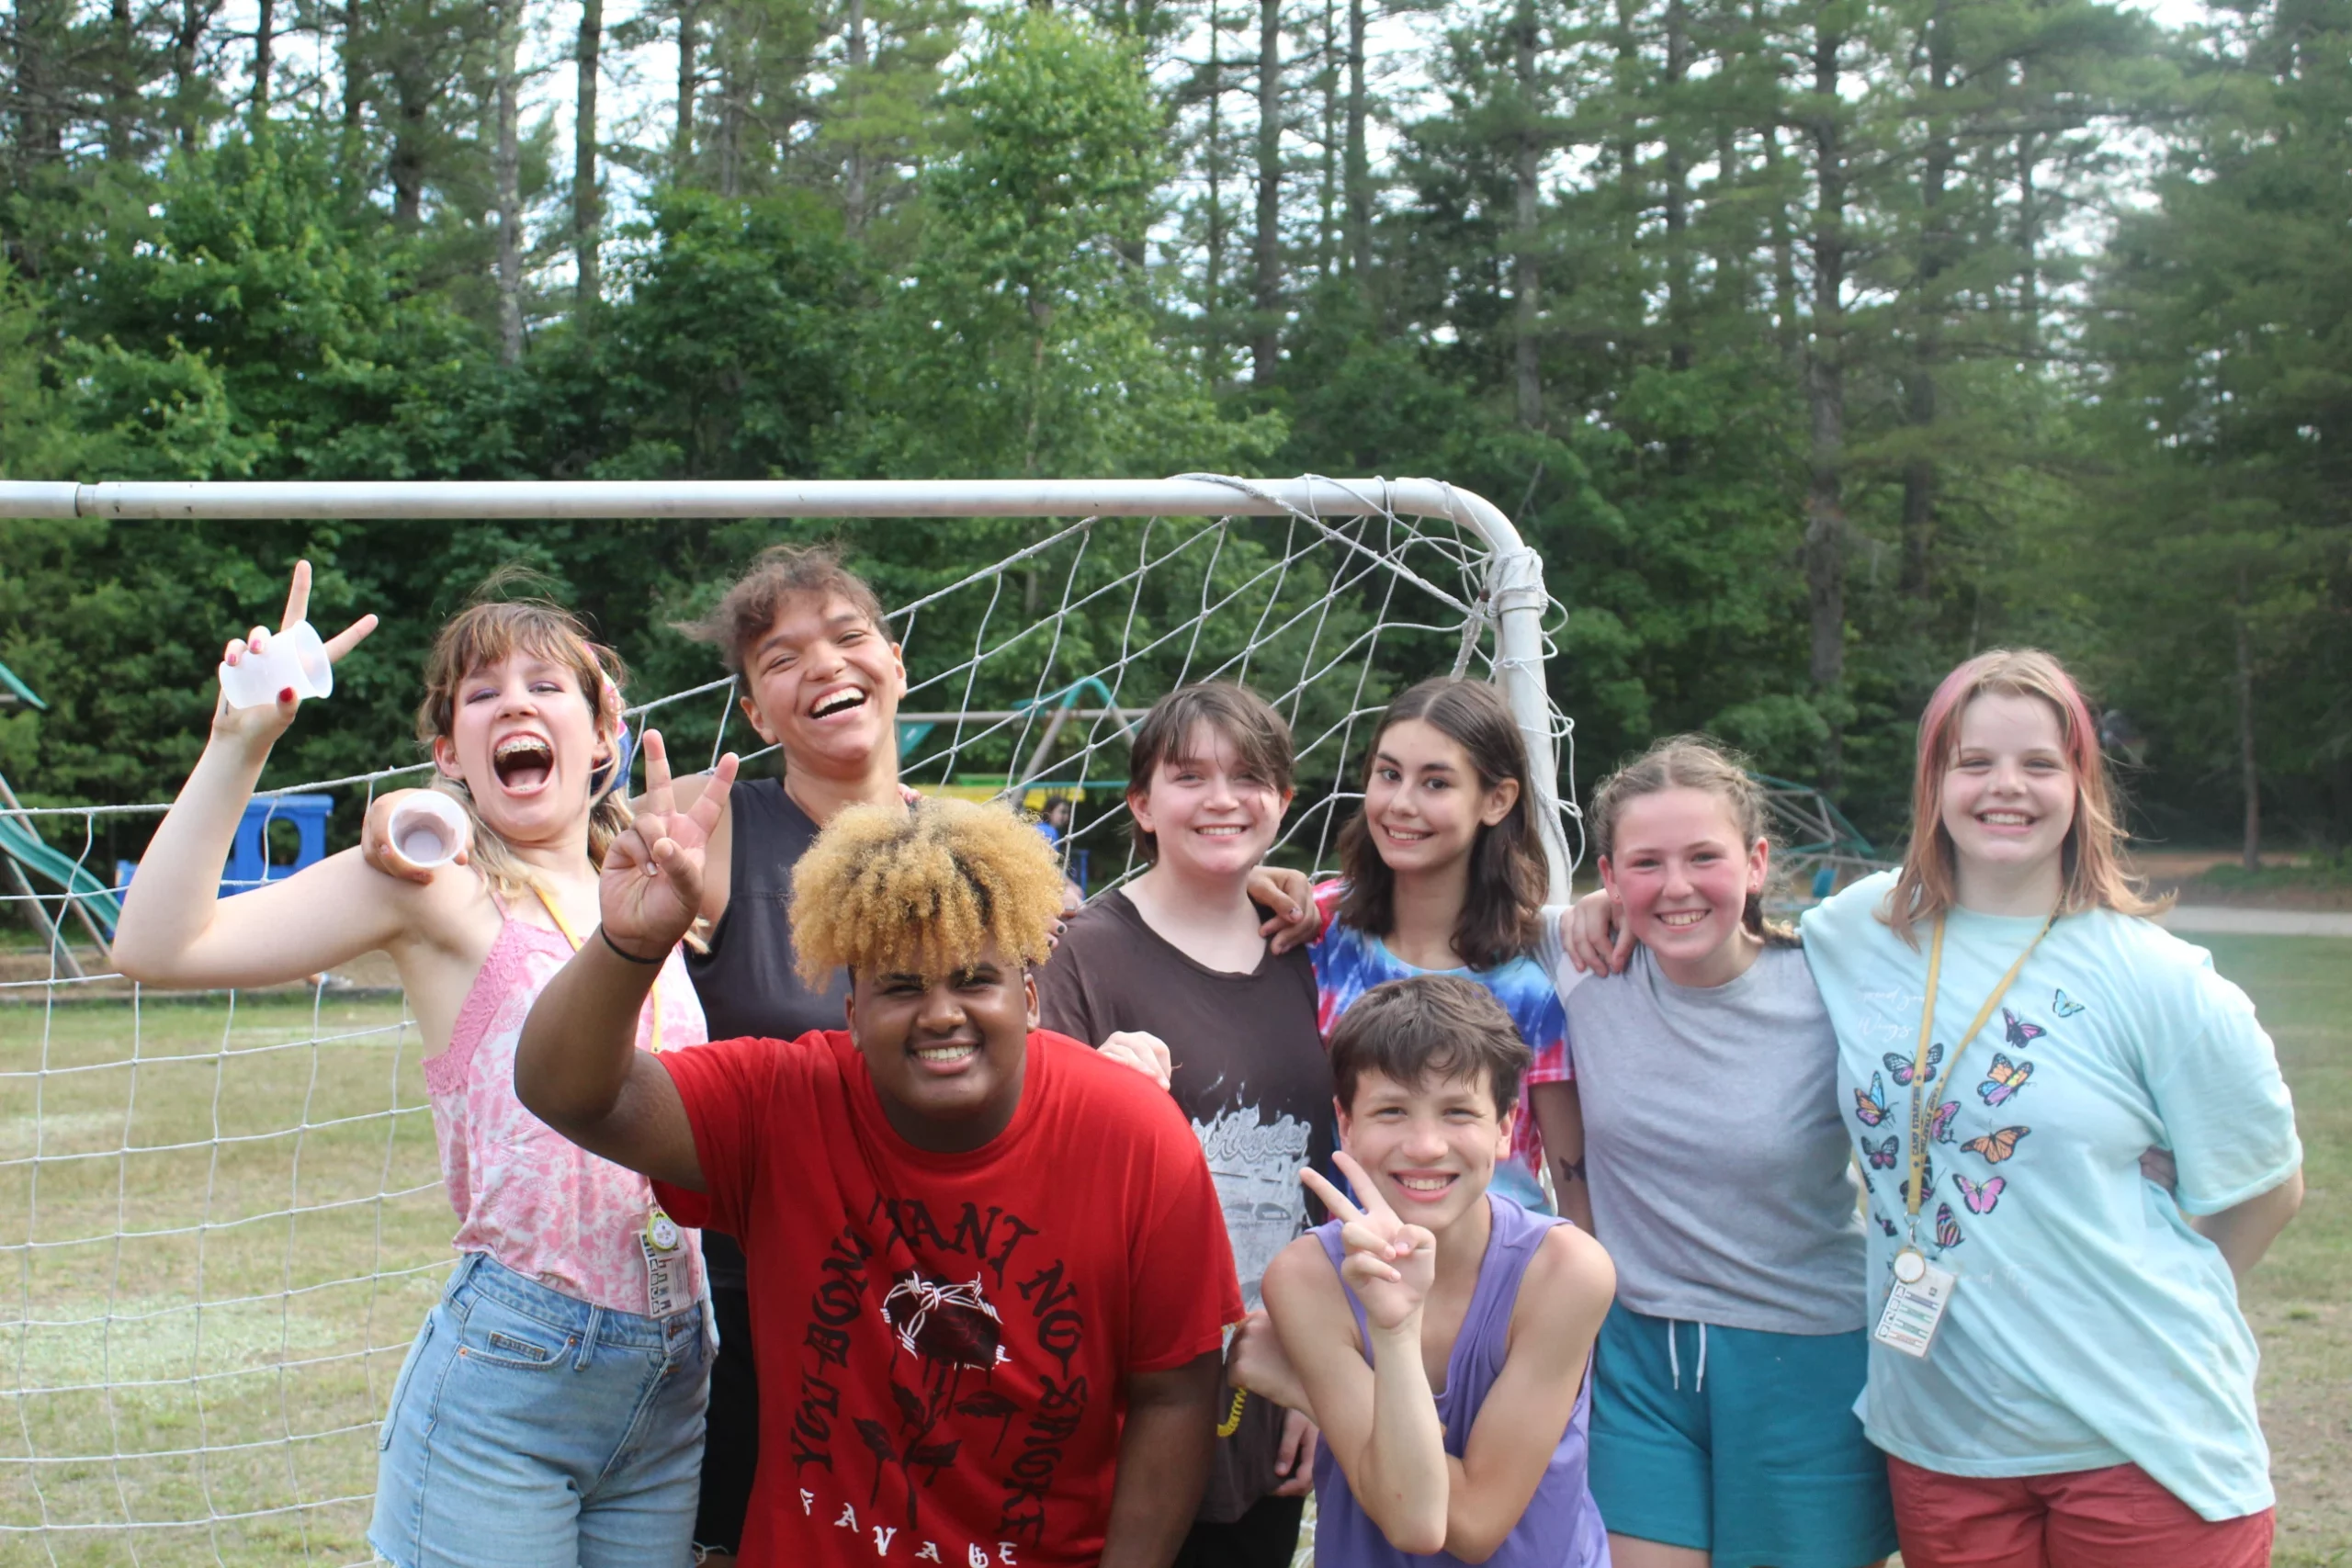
(1568, 1170)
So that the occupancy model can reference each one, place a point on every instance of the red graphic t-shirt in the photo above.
(943, 1339)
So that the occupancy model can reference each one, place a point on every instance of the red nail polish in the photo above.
(286, 695)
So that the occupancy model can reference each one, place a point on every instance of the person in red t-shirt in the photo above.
(993, 1261)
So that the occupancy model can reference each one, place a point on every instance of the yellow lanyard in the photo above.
(562, 925)
(1924, 1090)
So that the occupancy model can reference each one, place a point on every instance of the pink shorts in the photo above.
(2115, 1517)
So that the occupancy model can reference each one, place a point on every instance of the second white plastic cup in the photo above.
(429, 828)
(296, 658)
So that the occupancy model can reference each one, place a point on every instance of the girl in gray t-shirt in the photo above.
(1722, 1185)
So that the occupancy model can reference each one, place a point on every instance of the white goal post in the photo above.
(222, 1215)
(1514, 599)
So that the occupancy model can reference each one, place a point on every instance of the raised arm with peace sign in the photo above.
(1390, 1265)
(577, 1066)
(650, 888)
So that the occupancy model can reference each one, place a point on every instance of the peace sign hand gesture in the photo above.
(1390, 1265)
(262, 726)
(650, 888)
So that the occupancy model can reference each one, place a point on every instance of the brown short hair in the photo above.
(1429, 1027)
(923, 890)
(1257, 734)
(781, 572)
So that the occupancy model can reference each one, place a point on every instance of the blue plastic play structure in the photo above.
(249, 864)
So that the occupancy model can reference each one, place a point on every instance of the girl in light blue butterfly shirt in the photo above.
(2088, 1398)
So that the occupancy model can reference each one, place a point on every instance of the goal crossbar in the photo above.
(1514, 593)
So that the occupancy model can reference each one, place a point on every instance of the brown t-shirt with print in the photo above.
(1251, 1075)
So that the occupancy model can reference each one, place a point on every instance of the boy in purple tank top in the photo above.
(1437, 1332)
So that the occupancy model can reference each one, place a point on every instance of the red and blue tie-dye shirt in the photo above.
(1348, 961)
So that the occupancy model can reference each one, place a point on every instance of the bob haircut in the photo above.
(1429, 1028)
(777, 575)
(924, 891)
(484, 633)
(1502, 915)
(1692, 762)
(1247, 722)
(2093, 869)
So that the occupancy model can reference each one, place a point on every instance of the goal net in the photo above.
(227, 1217)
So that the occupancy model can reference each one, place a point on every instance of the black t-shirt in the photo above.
(746, 980)
(1251, 1075)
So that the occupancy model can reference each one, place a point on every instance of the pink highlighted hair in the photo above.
(2092, 861)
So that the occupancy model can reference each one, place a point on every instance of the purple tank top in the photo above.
(1562, 1526)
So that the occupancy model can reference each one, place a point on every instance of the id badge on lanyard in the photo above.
(1922, 1291)
(666, 1282)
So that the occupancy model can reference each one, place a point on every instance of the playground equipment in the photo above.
(249, 864)
(1821, 842)
(1061, 706)
(23, 850)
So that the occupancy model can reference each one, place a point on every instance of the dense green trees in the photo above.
(1815, 343)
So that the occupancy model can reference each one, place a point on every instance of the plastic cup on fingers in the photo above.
(295, 657)
(428, 828)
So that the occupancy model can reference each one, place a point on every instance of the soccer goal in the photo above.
(231, 1215)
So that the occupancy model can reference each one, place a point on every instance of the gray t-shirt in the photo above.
(1722, 1182)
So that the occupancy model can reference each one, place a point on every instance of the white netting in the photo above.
(233, 1219)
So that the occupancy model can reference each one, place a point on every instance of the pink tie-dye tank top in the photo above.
(526, 1195)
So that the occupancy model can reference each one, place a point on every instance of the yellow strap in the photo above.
(1232, 1422)
(1924, 1092)
(569, 935)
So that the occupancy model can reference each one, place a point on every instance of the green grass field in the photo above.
(196, 1154)
(2300, 1299)
(191, 1154)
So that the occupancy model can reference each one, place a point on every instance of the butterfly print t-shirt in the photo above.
(943, 1339)
(2090, 1325)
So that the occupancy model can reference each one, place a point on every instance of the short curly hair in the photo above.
(747, 611)
(923, 891)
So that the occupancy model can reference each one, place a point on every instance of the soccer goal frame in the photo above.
(1514, 599)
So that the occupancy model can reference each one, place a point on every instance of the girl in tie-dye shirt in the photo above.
(1442, 874)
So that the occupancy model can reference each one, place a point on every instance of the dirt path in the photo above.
(2192, 918)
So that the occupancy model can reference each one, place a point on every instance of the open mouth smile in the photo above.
(1681, 919)
(834, 703)
(524, 764)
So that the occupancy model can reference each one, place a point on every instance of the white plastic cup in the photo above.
(428, 828)
(295, 657)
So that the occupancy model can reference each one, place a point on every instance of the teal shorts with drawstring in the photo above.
(1737, 1442)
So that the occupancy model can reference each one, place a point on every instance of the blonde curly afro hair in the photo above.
(922, 892)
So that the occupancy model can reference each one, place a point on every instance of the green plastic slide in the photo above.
(21, 844)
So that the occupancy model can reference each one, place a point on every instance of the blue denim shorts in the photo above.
(529, 1430)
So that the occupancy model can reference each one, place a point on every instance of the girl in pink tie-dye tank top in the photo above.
(550, 1407)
